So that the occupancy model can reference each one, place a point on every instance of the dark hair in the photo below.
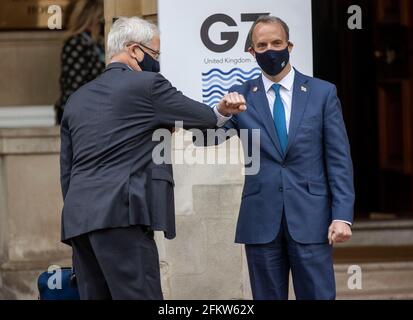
(81, 14)
(269, 19)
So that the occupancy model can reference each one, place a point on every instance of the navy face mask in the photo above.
(272, 62)
(148, 63)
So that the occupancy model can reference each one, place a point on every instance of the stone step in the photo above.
(378, 295)
(383, 280)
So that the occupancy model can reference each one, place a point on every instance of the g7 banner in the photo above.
(204, 43)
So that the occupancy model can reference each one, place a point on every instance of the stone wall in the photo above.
(201, 263)
(30, 67)
(29, 209)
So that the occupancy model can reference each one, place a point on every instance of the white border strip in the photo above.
(27, 116)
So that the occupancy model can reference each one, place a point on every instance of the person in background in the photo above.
(83, 56)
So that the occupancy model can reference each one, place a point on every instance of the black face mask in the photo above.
(272, 62)
(148, 63)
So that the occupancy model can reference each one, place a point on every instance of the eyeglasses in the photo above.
(155, 53)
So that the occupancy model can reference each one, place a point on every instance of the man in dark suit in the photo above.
(114, 194)
(301, 200)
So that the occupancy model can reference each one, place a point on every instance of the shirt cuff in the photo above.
(349, 223)
(221, 120)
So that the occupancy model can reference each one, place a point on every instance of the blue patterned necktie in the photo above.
(279, 118)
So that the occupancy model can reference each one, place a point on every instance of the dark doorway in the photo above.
(372, 69)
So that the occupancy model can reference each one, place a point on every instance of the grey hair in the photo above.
(269, 19)
(126, 30)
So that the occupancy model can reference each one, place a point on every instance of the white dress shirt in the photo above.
(286, 93)
(221, 120)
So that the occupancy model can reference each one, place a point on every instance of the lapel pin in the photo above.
(255, 89)
(303, 89)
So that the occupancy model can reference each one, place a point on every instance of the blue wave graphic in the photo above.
(213, 100)
(213, 86)
(239, 75)
(215, 71)
(223, 84)
(213, 92)
(216, 83)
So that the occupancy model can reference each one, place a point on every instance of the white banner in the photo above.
(203, 43)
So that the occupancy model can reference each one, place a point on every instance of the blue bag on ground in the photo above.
(59, 284)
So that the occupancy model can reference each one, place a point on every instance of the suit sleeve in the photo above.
(222, 134)
(338, 160)
(217, 136)
(171, 106)
(66, 155)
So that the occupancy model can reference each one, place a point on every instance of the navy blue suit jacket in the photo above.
(313, 182)
(108, 177)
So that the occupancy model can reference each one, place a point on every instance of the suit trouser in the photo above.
(119, 263)
(311, 267)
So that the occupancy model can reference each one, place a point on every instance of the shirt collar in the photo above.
(287, 82)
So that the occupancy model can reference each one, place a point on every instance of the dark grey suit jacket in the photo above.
(108, 178)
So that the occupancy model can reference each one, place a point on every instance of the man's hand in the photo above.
(338, 232)
(232, 103)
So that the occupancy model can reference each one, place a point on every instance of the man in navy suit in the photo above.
(114, 195)
(301, 201)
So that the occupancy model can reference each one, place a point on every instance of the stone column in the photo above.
(30, 209)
